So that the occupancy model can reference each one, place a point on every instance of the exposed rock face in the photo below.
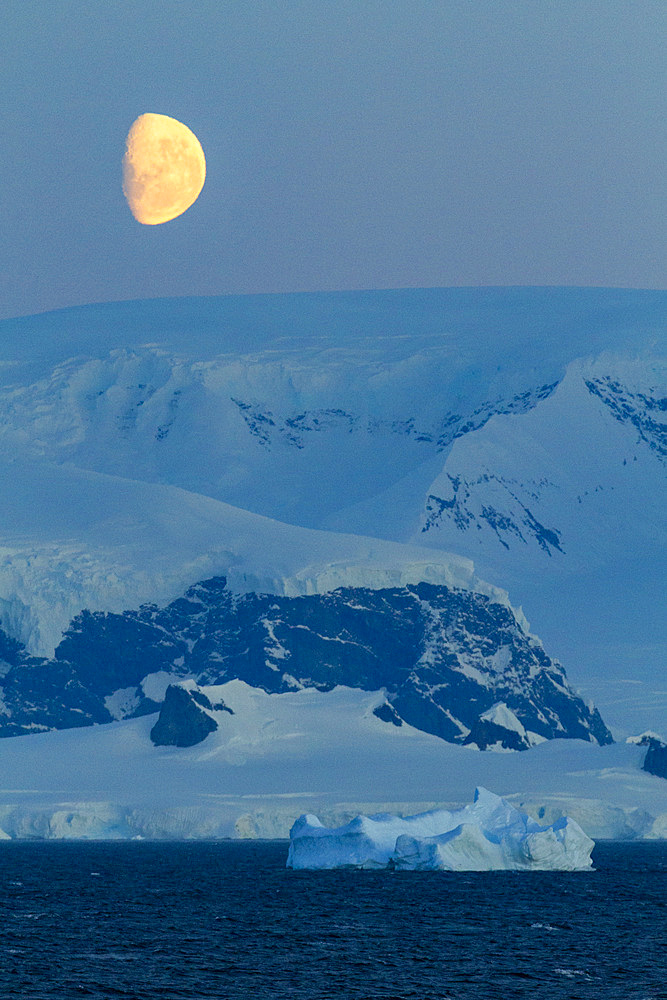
(655, 761)
(644, 410)
(388, 713)
(487, 735)
(183, 719)
(445, 657)
(500, 489)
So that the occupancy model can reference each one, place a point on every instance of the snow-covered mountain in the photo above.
(566, 505)
(333, 451)
(452, 661)
(71, 539)
(273, 757)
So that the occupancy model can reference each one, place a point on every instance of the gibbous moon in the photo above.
(163, 169)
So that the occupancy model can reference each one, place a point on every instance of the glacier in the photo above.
(123, 426)
(489, 835)
(507, 443)
(72, 539)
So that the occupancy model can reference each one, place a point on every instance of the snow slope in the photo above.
(279, 756)
(297, 406)
(126, 428)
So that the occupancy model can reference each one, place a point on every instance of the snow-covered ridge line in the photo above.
(571, 321)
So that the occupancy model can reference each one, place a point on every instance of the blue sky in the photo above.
(355, 144)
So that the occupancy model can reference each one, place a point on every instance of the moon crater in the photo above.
(163, 169)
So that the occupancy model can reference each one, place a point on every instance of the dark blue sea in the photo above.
(227, 920)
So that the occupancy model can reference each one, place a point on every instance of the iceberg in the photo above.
(487, 835)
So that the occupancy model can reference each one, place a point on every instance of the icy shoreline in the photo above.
(280, 756)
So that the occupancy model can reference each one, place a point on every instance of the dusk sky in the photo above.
(349, 144)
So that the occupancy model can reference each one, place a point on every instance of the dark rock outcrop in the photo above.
(184, 720)
(444, 656)
(485, 734)
(655, 761)
(387, 713)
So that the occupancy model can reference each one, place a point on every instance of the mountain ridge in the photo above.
(350, 413)
(445, 657)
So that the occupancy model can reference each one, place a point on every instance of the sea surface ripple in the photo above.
(226, 920)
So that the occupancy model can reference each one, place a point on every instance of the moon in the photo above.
(163, 169)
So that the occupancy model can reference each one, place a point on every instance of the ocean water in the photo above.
(227, 920)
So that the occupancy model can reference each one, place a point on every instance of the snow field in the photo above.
(283, 755)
